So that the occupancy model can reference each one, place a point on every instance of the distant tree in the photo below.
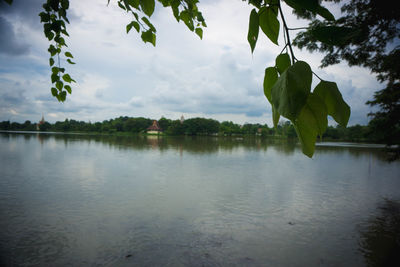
(164, 123)
(5, 125)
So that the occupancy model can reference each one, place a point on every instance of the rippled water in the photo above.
(110, 201)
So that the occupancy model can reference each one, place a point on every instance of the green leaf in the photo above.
(175, 9)
(134, 24)
(147, 6)
(187, 19)
(68, 54)
(52, 50)
(325, 13)
(63, 96)
(51, 61)
(336, 106)
(121, 5)
(68, 88)
(59, 85)
(148, 23)
(128, 27)
(275, 116)
(270, 78)
(149, 37)
(69, 61)
(269, 23)
(44, 17)
(133, 3)
(65, 4)
(311, 5)
(291, 90)
(282, 62)
(9, 1)
(311, 122)
(199, 32)
(54, 91)
(54, 77)
(49, 35)
(55, 70)
(254, 28)
(67, 78)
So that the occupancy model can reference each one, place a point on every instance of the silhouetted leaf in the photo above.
(147, 6)
(54, 91)
(199, 32)
(68, 88)
(269, 23)
(291, 90)
(282, 62)
(325, 13)
(149, 36)
(270, 78)
(311, 122)
(148, 23)
(254, 28)
(59, 85)
(311, 5)
(336, 106)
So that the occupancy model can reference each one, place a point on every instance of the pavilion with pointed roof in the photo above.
(154, 128)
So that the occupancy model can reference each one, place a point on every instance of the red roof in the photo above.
(154, 127)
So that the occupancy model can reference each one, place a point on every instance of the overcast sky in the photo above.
(118, 75)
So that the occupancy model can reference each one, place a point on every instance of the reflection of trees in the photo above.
(354, 151)
(380, 241)
(196, 144)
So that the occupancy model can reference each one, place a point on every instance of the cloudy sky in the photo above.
(118, 75)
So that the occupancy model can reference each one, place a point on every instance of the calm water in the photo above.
(77, 200)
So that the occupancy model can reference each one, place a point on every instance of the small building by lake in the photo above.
(154, 128)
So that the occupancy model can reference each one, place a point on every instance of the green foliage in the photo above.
(54, 19)
(282, 62)
(252, 35)
(270, 78)
(365, 35)
(336, 107)
(269, 23)
(287, 85)
(291, 90)
(311, 122)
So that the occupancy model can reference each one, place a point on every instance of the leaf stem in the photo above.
(317, 76)
(299, 28)
(287, 34)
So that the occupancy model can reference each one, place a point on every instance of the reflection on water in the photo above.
(380, 238)
(84, 200)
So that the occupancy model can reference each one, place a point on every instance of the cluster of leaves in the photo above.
(287, 85)
(365, 35)
(185, 10)
(54, 19)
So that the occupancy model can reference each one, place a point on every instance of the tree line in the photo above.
(192, 126)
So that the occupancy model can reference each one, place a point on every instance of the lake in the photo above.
(79, 200)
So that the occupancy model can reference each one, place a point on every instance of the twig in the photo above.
(287, 34)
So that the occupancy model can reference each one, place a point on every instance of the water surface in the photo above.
(82, 200)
